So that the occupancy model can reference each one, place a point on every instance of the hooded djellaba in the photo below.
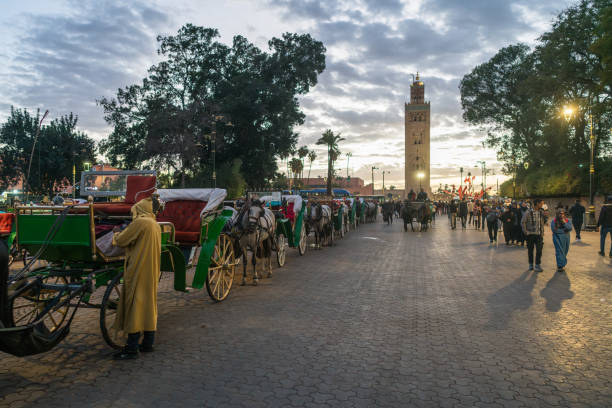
(137, 309)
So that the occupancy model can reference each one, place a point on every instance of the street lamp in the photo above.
(420, 175)
(568, 113)
(383, 175)
(373, 168)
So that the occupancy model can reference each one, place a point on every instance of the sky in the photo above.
(65, 54)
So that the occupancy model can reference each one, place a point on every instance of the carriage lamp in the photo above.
(420, 175)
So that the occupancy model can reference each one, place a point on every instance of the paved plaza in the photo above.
(383, 319)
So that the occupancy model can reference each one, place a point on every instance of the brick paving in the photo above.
(383, 319)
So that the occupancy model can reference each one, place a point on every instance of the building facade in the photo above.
(417, 125)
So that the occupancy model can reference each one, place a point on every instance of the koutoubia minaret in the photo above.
(417, 126)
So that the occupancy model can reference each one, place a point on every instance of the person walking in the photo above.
(533, 227)
(137, 309)
(604, 222)
(492, 225)
(508, 220)
(518, 236)
(477, 215)
(452, 208)
(471, 211)
(560, 227)
(463, 213)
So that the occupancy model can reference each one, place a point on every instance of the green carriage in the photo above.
(289, 212)
(80, 271)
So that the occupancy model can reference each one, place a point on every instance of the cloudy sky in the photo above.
(63, 55)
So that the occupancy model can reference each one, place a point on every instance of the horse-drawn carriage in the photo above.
(290, 229)
(83, 270)
(418, 212)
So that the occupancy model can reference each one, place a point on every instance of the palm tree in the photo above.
(331, 140)
(296, 166)
(312, 155)
(302, 152)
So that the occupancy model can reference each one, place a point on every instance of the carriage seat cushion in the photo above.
(6, 222)
(139, 187)
(185, 215)
(289, 212)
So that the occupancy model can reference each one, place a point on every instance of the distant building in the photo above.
(417, 126)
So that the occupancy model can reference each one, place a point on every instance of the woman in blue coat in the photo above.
(560, 227)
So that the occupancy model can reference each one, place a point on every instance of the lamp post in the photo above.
(383, 176)
(373, 168)
(461, 181)
(483, 166)
(568, 113)
(420, 175)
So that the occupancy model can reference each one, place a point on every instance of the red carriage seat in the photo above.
(185, 215)
(289, 212)
(6, 223)
(137, 188)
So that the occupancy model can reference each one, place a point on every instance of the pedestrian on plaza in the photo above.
(463, 213)
(508, 220)
(477, 210)
(411, 195)
(561, 227)
(533, 227)
(471, 211)
(137, 309)
(484, 208)
(517, 236)
(605, 225)
(577, 212)
(452, 210)
(492, 224)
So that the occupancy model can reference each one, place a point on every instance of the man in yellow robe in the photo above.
(137, 309)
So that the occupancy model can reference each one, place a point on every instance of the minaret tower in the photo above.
(417, 125)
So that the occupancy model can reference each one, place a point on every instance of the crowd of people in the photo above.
(522, 224)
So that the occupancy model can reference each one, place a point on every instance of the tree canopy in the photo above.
(180, 112)
(331, 140)
(60, 146)
(519, 94)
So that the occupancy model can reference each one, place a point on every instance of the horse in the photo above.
(255, 227)
(318, 219)
(370, 211)
(387, 212)
(408, 213)
(424, 216)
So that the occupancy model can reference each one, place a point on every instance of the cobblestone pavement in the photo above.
(383, 319)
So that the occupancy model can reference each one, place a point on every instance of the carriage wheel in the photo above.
(281, 250)
(25, 308)
(221, 269)
(108, 313)
(302, 244)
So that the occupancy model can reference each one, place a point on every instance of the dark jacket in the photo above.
(577, 213)
(605, 216)
(463, 209)
(452, 207)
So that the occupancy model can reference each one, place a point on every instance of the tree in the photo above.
(302, 152)
(169, 120)
(518, 94)
(330, 140)
(60, 146)
(312, 155)
(296, 167)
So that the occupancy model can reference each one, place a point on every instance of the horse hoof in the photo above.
(243, 282)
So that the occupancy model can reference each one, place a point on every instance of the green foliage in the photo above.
(171, 120)
(331, 140)
(518, 94)
(59, 146)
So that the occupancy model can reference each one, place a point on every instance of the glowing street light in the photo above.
(420, 175)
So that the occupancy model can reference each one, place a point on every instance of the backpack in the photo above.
(492, 216)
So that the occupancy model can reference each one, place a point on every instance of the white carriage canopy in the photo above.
(212, 196)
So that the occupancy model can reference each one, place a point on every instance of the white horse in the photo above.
(319, 220)
(256, 226)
